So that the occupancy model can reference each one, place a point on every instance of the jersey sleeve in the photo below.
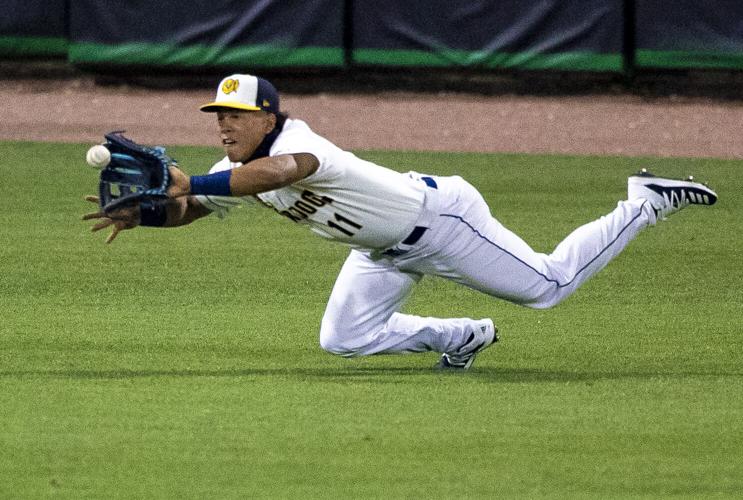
(299, 138)
(220, 205)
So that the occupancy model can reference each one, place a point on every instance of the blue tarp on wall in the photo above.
(567, 34)
(33, 27)
(214, 33)
(518, 34)
(690, 34)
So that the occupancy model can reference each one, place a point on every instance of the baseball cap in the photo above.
(247, 92)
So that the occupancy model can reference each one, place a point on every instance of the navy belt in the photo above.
(417, 231)
(415, 235)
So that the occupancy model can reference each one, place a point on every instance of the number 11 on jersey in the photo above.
(344, 225)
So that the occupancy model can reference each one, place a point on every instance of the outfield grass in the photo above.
(184, 363)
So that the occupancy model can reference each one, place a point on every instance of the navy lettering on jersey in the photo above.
(306, 206)
(309, 204)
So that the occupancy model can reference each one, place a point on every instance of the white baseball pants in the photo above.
(465, 244)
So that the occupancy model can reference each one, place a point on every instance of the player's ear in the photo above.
(270, 122)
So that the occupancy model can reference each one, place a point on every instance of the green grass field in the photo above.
(184, 363)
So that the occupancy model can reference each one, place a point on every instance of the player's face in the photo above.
(243, 131)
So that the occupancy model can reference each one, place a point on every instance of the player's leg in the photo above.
(500, 263)
(362, 315)
(514, 271)
(484, 255)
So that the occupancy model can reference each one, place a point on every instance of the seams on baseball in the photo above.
(98, 156)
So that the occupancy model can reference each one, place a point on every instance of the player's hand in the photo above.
(118, 220)
(180, 183)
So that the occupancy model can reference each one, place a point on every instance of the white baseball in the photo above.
(98, 156)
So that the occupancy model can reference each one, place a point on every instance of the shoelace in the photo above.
(458, 359)
(673, 203)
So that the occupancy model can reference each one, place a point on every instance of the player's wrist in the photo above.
(216, 184)
(153, 212)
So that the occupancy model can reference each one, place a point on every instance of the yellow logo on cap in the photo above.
(266, 103)
(230, 86)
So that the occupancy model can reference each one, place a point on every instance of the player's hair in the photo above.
(281, 118)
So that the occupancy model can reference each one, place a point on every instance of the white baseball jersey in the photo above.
(374, 208)
(347, 199)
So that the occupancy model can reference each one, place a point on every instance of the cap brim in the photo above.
(216, 106)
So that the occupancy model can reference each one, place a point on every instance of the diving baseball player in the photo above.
(400, 227)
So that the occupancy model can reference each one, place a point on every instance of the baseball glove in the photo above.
(134, 174)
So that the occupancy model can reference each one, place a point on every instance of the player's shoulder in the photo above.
(295, 127)
(297, 137)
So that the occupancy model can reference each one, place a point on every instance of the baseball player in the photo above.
(400, 227)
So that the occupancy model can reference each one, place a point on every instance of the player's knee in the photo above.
(540, 305)
(545, 301)
(334, 341)
(330, 344)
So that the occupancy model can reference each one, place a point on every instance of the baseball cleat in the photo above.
(462, 358)
(668, 196)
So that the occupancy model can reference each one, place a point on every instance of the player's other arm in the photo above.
(163, 213)
(258, 176)
(182, 211)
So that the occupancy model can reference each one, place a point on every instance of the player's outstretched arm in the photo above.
(272, 172)
(258, 176)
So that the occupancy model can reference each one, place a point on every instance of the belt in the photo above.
(417, 231)
(430, 182)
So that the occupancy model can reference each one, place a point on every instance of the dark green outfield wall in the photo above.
(689, 34)
(34, 28)
(572, 35)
